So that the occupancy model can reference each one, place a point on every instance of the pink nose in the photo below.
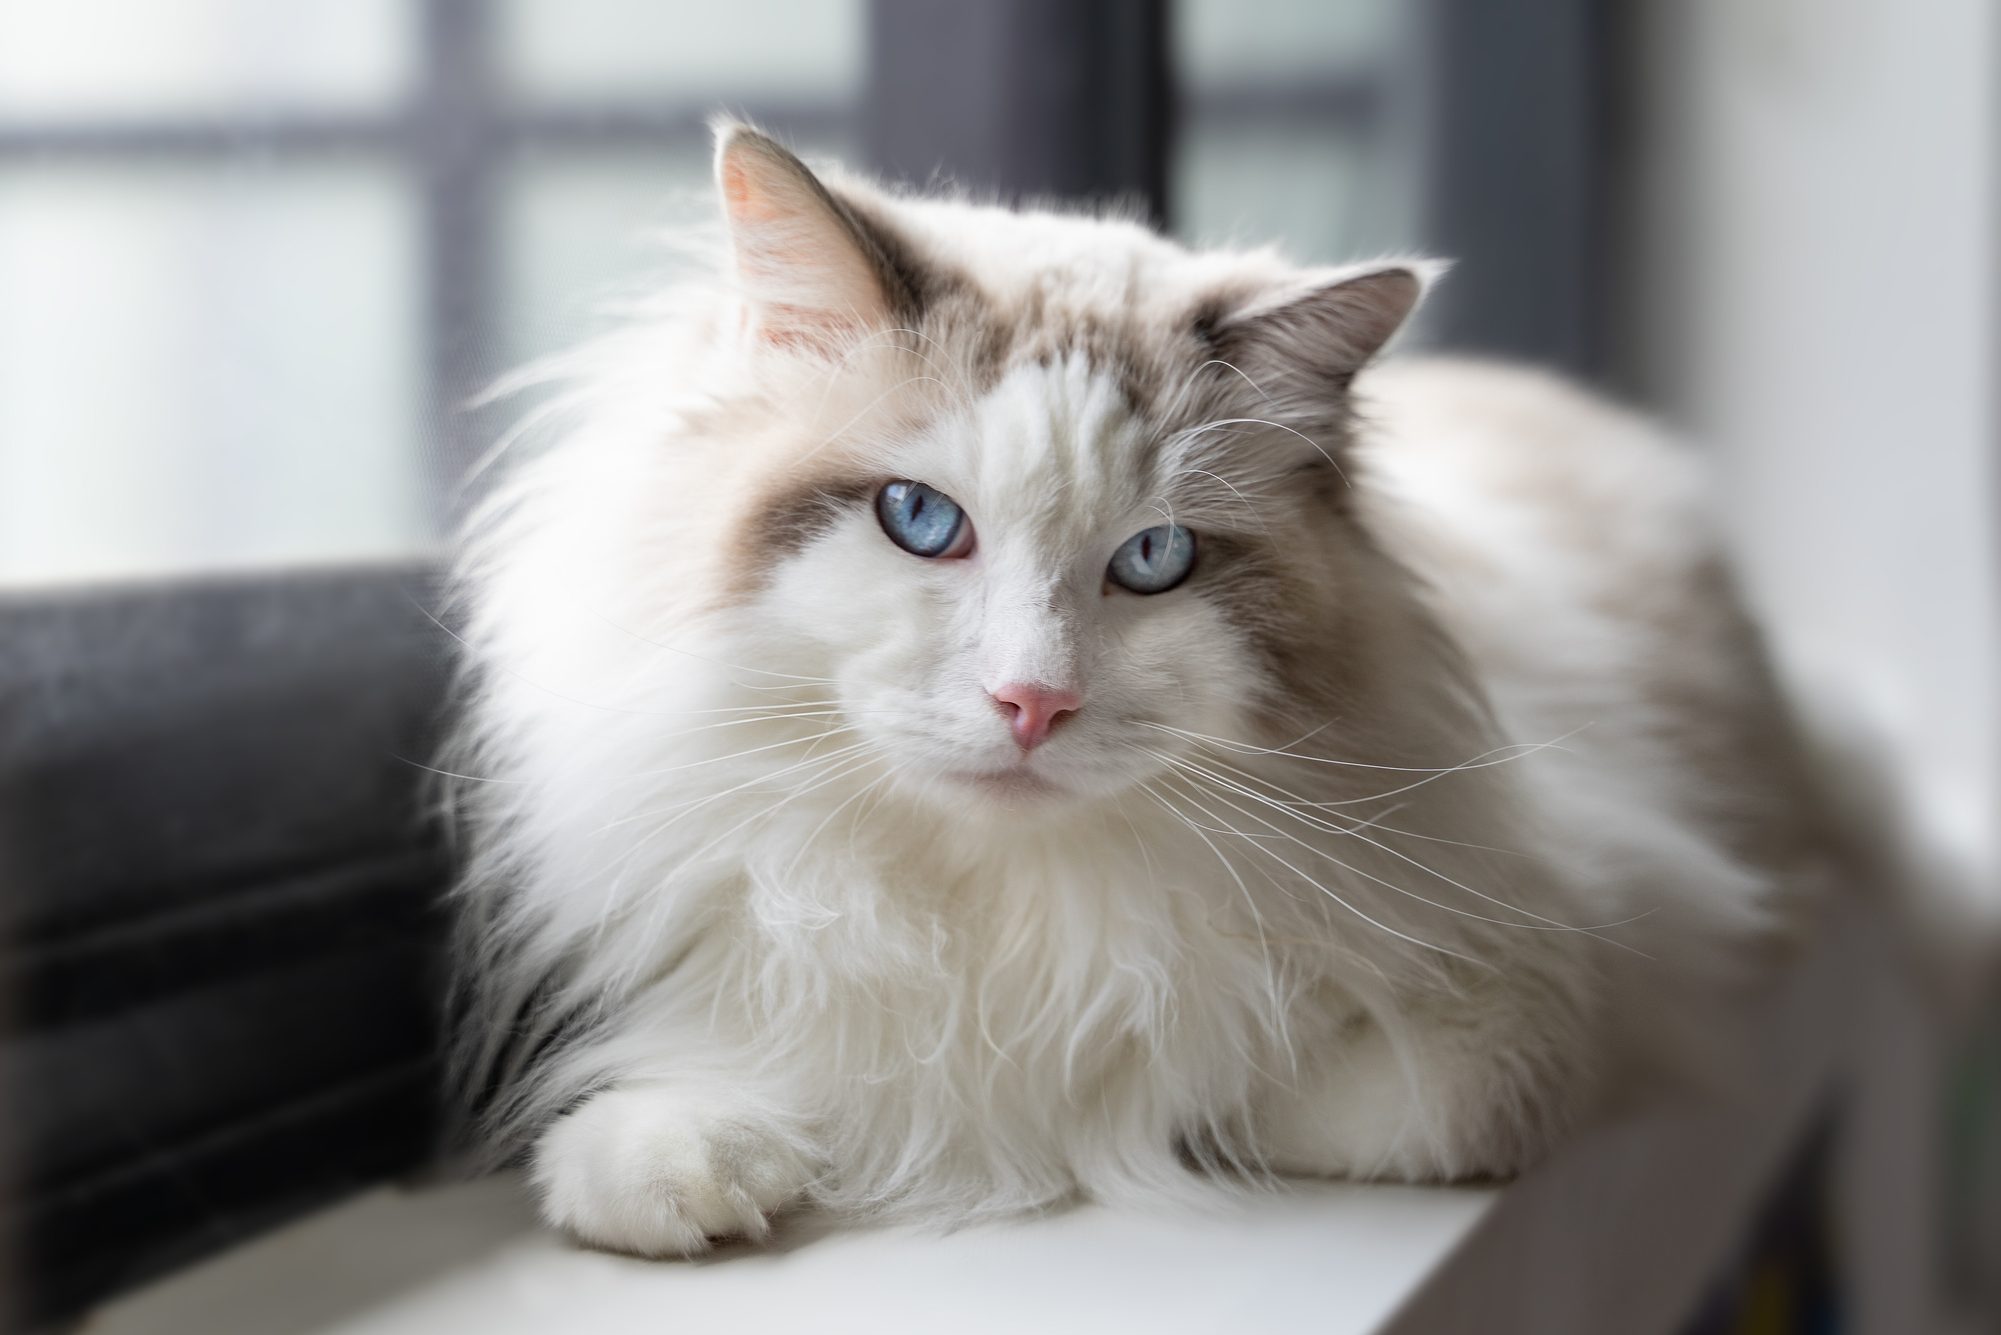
(1033, 710)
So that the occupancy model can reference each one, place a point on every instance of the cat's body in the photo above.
(809, 866)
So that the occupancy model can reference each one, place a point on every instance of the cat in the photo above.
(982, 708)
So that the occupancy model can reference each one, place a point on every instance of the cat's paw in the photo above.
(648, 1171)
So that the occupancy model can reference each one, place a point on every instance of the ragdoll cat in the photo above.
(985, 708)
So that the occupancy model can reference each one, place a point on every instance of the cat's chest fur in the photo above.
(1108, 986)
(1026, 945)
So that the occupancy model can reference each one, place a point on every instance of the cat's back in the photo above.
(1520, 497)
(1568, 544)
(1527, 466)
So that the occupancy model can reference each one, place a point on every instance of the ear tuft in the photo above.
(813, 272)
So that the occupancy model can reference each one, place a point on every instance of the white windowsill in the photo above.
(1622, 1231)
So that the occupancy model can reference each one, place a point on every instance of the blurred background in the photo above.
(257, 256)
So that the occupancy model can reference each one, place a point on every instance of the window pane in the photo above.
(204, 368)
(585, 232)
(66, 59)
(1292, 128)
(614, 50)
(1216, 43)
(223, 341)
(582, 232)
(1325, 194)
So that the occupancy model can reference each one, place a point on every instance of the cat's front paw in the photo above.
(649, 1171)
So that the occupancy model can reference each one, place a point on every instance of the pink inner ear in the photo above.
(800, 327)
(780, 324)
(751, 207)
(751, 213)
(772, 248)
(745, 203)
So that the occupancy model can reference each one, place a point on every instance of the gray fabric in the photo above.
(219, 928)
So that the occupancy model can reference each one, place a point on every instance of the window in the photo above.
(257, 258)
(1295, 128)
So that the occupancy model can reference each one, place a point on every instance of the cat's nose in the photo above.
(1033, 710)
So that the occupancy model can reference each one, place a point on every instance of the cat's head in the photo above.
(1036, 494)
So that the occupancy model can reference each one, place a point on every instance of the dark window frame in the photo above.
(1511, 111)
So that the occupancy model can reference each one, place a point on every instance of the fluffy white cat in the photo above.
(983, 708)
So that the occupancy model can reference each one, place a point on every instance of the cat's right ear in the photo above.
(1303, 344)
(813, 272)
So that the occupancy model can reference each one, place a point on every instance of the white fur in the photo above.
(787, 954)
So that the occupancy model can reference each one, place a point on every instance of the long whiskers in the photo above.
(1512, 750)
(1278, 1010)
(1206, 427)
(1378, 821)
(1188, 386)
(1541, 922)
(1278, 833)
(1310, 879)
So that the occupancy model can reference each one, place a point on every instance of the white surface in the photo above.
(1324, 1257)
(1623, 1232)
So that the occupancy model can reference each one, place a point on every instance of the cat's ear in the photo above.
(813, 272)
(1310, 339)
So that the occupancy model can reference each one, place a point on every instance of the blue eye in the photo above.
(1153, 561)
(923, 521)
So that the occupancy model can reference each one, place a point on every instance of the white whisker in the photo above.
(1276, 426)
(1542, 924)
(1515, 750)
(1373, 922)
(1278, 1014)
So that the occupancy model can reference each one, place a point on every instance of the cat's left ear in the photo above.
(813, 271)
(1308, 341)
